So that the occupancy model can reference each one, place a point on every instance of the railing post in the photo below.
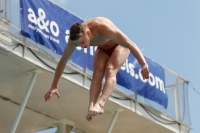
(178, 94)
(6, 12)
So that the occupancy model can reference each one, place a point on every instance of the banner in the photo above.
(48, 24)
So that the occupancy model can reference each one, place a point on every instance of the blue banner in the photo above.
(48, 24)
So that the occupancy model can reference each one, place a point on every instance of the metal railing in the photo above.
(5, 9)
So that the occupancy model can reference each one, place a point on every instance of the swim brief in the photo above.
(109, 50)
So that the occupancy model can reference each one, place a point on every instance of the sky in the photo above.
(167, 31)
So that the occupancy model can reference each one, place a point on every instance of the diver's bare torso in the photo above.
(99, 27)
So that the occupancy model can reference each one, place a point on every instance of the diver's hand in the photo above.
(145, 71)
(52, 90)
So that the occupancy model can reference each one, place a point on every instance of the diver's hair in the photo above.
(76, 30)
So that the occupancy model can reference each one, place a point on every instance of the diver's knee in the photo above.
(110, 72)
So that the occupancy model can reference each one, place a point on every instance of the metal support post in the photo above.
(178, 94)
(25, 47)
(6, 9)
(175, 102)
(25, 99)
(84, 76)
(0, 7)
(113, 120)
(136, 103)
(63, 126)
(179, 103)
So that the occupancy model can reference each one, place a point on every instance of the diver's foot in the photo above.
(96, 109)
